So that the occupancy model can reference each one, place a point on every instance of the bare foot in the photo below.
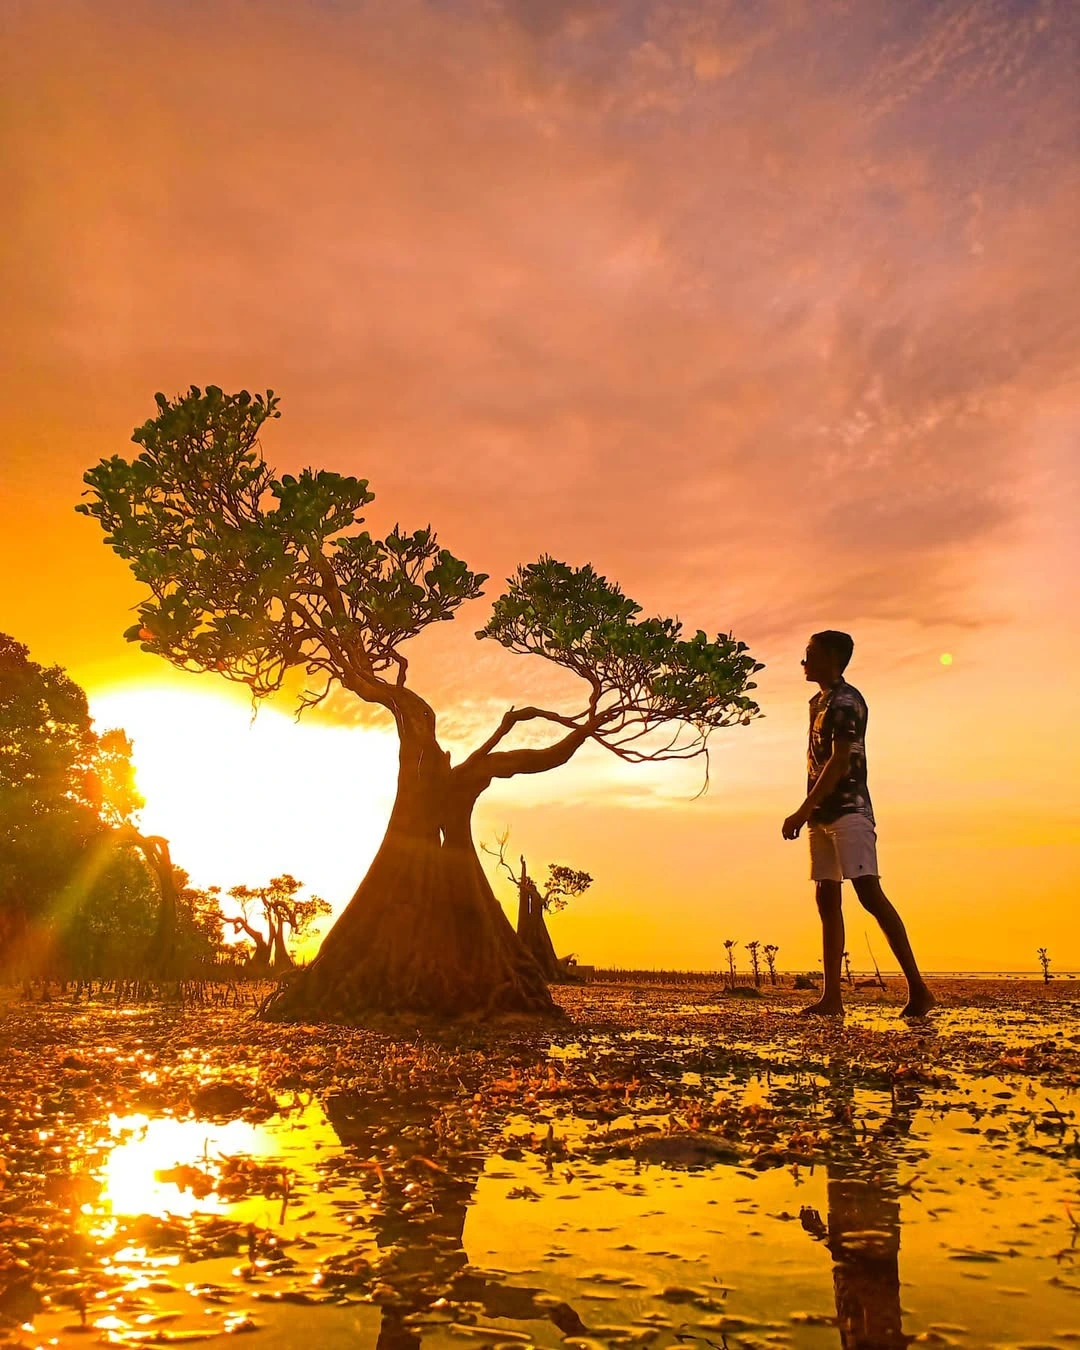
(919, 1004)
(831, 1007)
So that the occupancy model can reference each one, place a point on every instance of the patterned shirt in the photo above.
(839, 714)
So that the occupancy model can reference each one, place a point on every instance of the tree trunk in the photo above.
(259, 960)
(533, 932)
(280, 957)
(424, 933)
(429, 1242)
(160, 957)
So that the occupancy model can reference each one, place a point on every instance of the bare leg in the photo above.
(874, 900)
(831, 1002)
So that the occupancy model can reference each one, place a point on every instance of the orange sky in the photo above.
(770, 311)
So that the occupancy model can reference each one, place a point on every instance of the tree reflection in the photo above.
(420, 1191)
(418, 1167)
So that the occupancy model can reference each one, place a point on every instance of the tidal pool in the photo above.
(737, 1179)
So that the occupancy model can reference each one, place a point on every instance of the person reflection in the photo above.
(863, 1228)
(863, 1236)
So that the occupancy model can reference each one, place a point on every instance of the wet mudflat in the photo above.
(670, 1167)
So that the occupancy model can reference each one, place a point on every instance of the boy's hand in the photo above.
(794, 824)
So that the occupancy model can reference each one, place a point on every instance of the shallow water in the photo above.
(942, 1204)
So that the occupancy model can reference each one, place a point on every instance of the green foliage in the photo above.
(643, 673)
(103, 934)
(77, 896)
(62, 787)
(563, 884)
(251, 575)
(120, 799)
(49, 748)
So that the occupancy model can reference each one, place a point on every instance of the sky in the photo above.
(769, 310)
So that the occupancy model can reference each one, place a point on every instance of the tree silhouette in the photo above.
(253, 576)
(755, 961)
(270, 914)
(72, 900)
(729, 947)
(200, 929)
(562, 884)
(1044, 961)
(419, 1250)
(769, 951)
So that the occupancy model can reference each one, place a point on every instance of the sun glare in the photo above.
(242, 800)
(149, 1148)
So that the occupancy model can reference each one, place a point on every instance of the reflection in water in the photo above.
(417, 1199)
(418, 1222)
(137, 1172)
(863, 1229)
(864, 1239)
(165, 1167)
(388, 1218)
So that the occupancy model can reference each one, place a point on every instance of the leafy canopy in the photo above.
(279, 905)
(249, 574)
(52, 761)
(643, 673)
(62, 783)
(563, 883)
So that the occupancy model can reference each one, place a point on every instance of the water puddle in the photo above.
(576, 1195)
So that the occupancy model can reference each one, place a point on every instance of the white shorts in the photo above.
(845, 848)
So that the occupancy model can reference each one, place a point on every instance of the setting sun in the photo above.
(233, 794)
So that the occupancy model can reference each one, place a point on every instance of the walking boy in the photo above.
(843, 838)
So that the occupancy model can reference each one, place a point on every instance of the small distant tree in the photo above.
(847, 968)
(753, 948)
(769, 950)
(1044, 961)
(250, 922)
(729, 947)
(256, 578)
(270, 914)
(533, 906)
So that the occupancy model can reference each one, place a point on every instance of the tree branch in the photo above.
(512, 718)
(501, 840)
(332, 591)
(510, 763)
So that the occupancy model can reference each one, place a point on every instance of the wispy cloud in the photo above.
(753, 306)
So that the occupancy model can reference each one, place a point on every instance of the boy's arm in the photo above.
(844, 732)
(833, 771)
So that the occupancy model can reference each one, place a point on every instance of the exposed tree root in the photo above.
(423, 936)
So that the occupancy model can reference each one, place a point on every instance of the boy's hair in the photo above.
(840, 644)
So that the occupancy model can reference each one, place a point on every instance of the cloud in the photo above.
(755, 307)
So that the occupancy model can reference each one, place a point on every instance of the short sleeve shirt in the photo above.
(839, 714)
